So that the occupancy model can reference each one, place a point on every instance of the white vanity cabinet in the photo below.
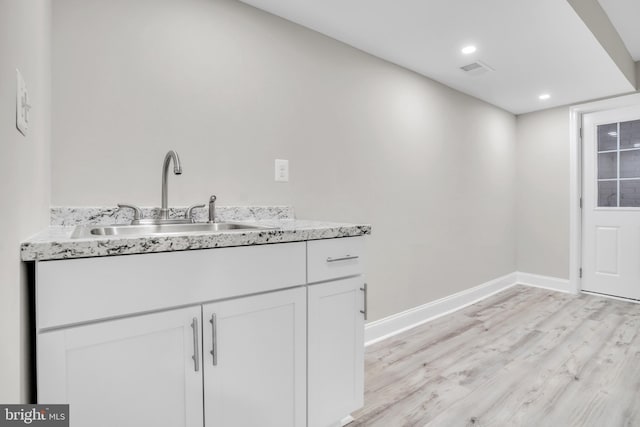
(255, 361)
(265, 335)
(336, 314)
(137, 371)
(148, 370)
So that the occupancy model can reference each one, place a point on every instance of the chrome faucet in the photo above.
(177, 169)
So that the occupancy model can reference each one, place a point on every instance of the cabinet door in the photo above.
(336, 350)
(137, 371)
(255, 361)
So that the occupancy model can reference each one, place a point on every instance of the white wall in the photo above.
(232, 88)
(543, 192)
(25, 28)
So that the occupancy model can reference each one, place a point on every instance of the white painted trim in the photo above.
(346, 420)
(595, 294)
(384, 328)
(545, 282)
(379, 330)
(575, 193)
(575, 177)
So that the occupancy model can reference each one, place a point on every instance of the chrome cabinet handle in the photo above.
(343, 258)
(366, 309)
(214, 339)
(196, 350)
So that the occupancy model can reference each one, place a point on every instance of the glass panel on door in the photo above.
(618, 164)
(608, 137)
(630, 193)
(608, 193)
(630, 164)
(608, 165)
(629, 134)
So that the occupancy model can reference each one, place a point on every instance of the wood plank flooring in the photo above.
(523, 357)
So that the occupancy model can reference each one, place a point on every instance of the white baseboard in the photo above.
(384, 328)
(595, 294)
(545, 282)
(346, 420)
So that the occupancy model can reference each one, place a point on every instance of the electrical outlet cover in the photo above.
(282, 170)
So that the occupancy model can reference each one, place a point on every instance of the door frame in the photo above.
(575, 177)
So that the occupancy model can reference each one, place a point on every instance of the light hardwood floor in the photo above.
(523, 357)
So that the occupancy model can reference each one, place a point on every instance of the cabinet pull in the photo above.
(214, 339)
(196, 350)
(366, 309)
(343, 258)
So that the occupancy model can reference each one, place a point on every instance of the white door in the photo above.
(336, 350)
(132, 372)
(255, 361)
(611, 203)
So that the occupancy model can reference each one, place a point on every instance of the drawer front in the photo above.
(81, 290)
(334, 258)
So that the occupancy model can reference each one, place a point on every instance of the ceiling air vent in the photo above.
(476, 68)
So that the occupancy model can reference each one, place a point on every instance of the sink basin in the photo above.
(83, 231)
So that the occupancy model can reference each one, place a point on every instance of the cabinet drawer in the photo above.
(82, 290)
(334, 258)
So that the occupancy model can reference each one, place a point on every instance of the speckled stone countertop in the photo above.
(56, 242)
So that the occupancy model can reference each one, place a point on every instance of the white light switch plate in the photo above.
(22, 104)
(282, 170)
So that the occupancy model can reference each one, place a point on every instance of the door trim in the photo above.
(575, 177)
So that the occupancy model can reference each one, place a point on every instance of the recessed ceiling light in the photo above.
(468, 49)
(614, 133)
(544, 96)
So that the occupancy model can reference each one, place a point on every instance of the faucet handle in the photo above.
(212, 208)
(189, 213)
(137, 212)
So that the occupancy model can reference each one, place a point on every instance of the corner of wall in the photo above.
(25, 167)
(542, 138)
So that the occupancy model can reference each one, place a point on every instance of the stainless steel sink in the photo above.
(83, 231)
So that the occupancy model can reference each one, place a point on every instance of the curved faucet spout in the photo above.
(177, 166)
(177, 169)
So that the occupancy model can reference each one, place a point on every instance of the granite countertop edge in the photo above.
(56, 243)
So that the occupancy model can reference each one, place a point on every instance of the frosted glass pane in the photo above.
(630, 164)
(607, 193)
(607, 165)
(608, 137)
(630, 193)
(630, 134)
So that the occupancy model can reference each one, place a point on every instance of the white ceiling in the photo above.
(534, 46)
(625, 16)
